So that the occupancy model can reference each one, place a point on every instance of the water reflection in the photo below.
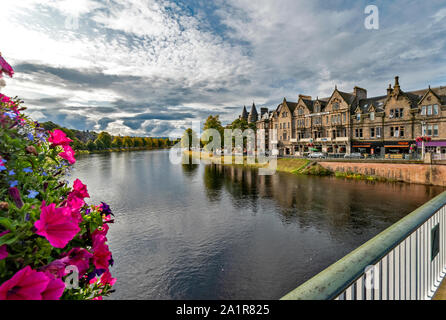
(224, 232)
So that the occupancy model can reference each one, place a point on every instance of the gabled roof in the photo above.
(427, 93)
(377, 102)
(308, 103)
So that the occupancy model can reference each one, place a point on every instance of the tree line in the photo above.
(92, 141)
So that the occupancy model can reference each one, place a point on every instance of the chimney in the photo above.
(389, 90)
(305, 97)
(396, 88)
(360, 93)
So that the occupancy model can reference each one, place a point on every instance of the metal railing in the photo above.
(407, 261)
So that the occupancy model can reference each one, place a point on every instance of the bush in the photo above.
(49, 235)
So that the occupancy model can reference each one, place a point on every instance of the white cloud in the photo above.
(249, 51)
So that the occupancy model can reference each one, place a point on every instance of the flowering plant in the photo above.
(53, 245)
(425, 139)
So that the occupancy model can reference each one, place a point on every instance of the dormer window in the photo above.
(372, 116)
(335, 106)
(358, 116)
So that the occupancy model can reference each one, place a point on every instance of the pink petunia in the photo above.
(75, 204)
(26, 284)
(59, 138)
(101, 256)
(56, 225)
(5, 67)
(57, 267)
(3, 252)
(99, 235)
(54, 289)
(79, 190)
(107, 278)
(80, 258)
(68, 154)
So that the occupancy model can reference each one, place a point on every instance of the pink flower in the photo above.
(68, 154)
(75, 204)
(55, 288)
(5, 67)
(80, 258)
(57, 267)
(101, 256)
(56, 225)
(106, 278)
(99, 235)
(79, 190)
(26, 284)
(59, 138)
(3, 252)
(97, 298)
(5, 99)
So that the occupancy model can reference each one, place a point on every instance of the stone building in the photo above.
(349, 122)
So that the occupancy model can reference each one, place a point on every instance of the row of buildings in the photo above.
(353, 122)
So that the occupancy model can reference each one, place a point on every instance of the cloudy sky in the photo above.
(149, 67)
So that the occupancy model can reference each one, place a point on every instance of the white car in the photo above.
(316, 155)
(354, 155)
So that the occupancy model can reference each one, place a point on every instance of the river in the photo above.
(223, 232)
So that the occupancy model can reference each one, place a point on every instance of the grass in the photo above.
(294, 166)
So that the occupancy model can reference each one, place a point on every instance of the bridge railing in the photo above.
(407, 261)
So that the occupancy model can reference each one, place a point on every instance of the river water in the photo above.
(223, 232)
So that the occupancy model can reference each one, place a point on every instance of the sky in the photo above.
(151, 67)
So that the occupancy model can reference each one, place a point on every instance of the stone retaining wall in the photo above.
(431, 174)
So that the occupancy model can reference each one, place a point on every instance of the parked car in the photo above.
(354, 155)
(316, 155)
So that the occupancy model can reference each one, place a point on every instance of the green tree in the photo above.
(212, 122)
(117, 142)
(188, 136)
(127, 142)
(91, 146)
(105, 139)
(149, 142)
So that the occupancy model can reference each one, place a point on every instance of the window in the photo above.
(372, 116)
(345, 117)
(326, 119)
(435, 109)
(358, 133)
(429, 110)
(435, 130)
(401, 131)
(336, 106)
(423, 110)
(372, 132)
(378, 132)
(358, 116)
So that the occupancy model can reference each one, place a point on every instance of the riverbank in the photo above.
(418, 173)
(85, 152)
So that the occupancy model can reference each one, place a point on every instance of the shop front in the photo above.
(437, 147)
(369, 148)
(400, 147)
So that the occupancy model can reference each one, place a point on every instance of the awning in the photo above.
(362, 146)
(397, 146)
(433, 144)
